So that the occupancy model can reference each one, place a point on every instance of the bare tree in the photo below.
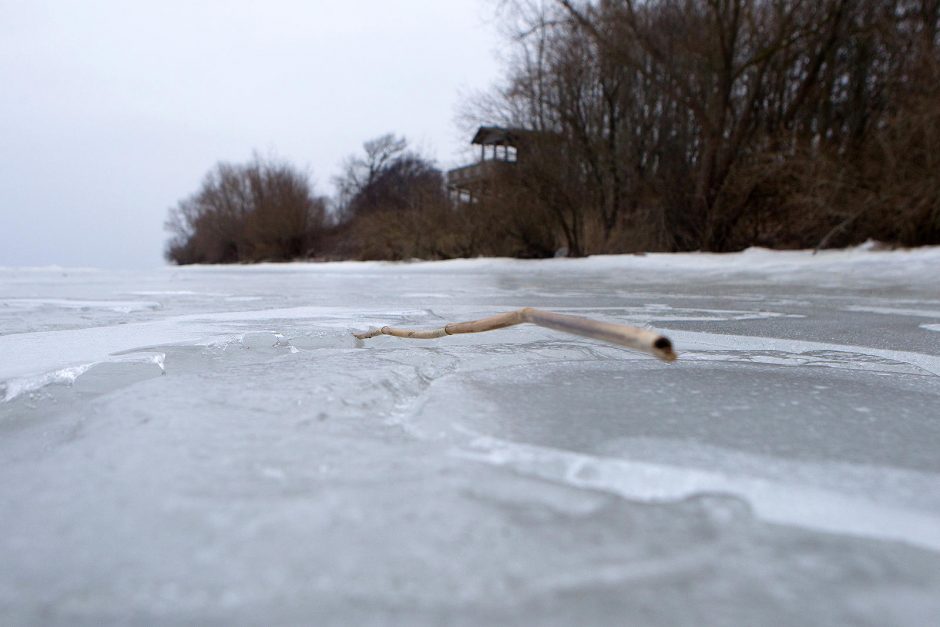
(360, 171)
(688, 124)
(395, 206)
(263, 210)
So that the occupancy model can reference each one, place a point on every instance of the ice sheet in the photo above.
(210, 445)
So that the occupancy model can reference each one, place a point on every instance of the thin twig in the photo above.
(645, 340)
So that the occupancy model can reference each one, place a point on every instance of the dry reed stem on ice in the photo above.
(636, 338)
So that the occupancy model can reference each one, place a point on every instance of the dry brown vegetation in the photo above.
(393, 205)
(681, 124)
(261, 211)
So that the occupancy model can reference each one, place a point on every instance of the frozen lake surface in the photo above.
(209, 445)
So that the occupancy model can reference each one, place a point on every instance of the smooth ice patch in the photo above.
(257, 484)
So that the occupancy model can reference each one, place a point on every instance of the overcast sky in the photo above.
(111, 111)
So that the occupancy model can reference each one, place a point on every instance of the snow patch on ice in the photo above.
(16, 387)
(907, 488)
(664, 313)
(424, 295)
(46, 351)
(323, 315)
(895, 311)
(721, 346)
(12, 388)
(846, 360)
(774, 501)
(118, 306)
(52, 268)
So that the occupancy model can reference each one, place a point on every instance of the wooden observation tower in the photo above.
(500, 148)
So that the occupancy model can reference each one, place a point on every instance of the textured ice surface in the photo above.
(211, 446)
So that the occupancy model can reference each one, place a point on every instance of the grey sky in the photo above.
(111, 111)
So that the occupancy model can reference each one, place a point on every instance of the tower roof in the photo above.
(500, 136)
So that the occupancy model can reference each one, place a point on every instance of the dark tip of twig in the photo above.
(664, 347)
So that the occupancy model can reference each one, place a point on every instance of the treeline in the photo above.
(652, 125)
(392, 203)
(715, 125)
